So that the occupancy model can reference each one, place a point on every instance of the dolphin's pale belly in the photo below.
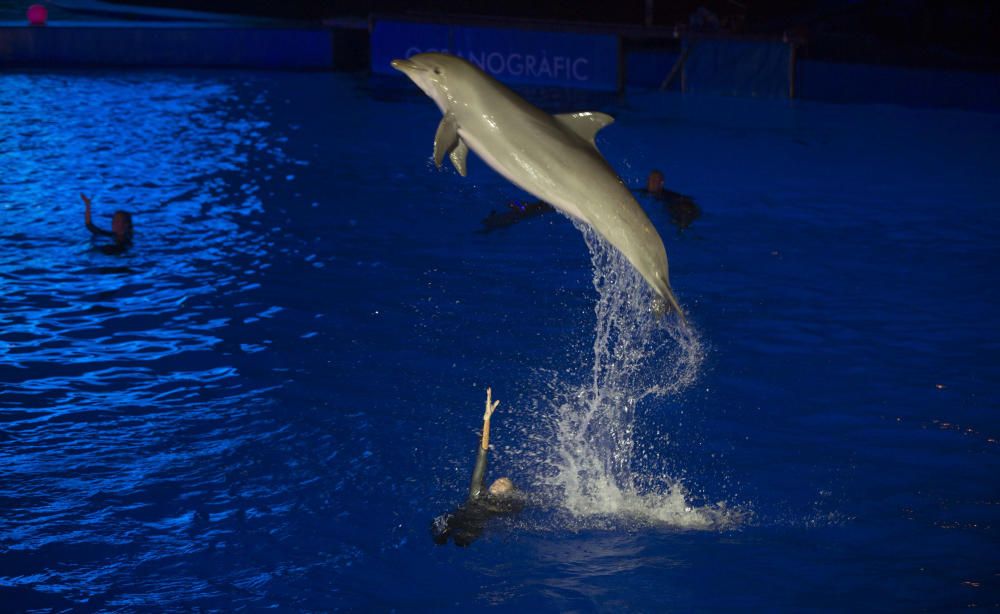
(533, 183)
(570, 178)
(573, 177)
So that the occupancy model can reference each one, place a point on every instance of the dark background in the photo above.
(961, 34)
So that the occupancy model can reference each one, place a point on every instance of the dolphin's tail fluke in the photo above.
(666, 303)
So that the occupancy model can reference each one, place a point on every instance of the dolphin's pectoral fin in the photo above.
(458, 156)
(585, 124)
(446, 138)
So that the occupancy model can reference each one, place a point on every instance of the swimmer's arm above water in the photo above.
(491, 406)
(476, 487)
(90, 225)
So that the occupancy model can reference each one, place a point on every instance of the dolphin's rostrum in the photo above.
(551, 156)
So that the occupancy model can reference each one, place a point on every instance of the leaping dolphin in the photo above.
(553, 157)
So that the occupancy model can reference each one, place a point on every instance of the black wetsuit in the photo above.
(119, 245)
(682, 209)
(468, 521)
(515, 213)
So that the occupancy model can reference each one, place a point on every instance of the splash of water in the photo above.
(636, 355)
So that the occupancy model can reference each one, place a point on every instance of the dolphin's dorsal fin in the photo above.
(585, 123)
(446, 138)
(458, 156)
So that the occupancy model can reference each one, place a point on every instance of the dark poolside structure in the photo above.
(917, 52)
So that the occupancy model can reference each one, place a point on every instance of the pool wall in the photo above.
(609, 58)
(170, 44)
(843, 82)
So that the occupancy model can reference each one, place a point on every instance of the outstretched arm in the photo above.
(476, 487)
(490, 408)
(90, 225)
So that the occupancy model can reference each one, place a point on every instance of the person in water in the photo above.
(121, 230)
(682, 209)
(468, 521)
(515, 213)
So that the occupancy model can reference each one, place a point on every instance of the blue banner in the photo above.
(588, 61)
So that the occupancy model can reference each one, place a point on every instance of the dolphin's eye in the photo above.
(437, 71)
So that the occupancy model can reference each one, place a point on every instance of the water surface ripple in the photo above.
(265, 401)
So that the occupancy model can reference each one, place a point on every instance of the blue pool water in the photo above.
(268, 398)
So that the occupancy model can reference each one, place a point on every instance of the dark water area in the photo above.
(265, 401)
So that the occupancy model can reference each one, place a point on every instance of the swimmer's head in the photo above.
(502, 487)
(654, 184)
(121, 225)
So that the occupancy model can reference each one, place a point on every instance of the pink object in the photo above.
(37, 15)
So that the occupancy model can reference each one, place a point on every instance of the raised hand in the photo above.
(490, 405)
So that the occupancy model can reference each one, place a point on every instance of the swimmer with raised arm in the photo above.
(468, 522)
(121, 230)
